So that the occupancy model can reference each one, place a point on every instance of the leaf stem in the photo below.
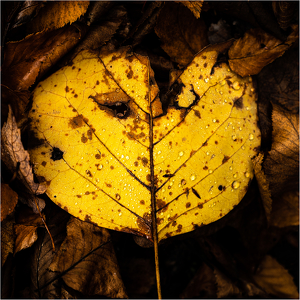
(153, 205)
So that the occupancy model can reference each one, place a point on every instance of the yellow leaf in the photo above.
(108, 151)
(275, 279)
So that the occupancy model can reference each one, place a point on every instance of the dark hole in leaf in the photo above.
(220, 187)
(56, 154)
(121, 110)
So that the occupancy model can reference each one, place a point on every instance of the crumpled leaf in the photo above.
(7, 238)
(56, 14)
(263, 184)
(282, 162)
(118, 163)
(249, 54)
(31, 58)
(25, 229)
(15, 156)
(9, 199)
(286, 210)
(275, 279)
(193, 6)
(181, 34)
(89, 261)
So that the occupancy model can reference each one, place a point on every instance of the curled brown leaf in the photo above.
(16, 157)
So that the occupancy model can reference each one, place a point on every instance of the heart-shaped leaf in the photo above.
(111, 156)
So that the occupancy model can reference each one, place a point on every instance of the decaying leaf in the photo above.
(282, 162)
(109, 153)
(249, 54)
(182, 35)
(275, 279)
(29, 59)
(25, 229)
(56, 14)
(88, 260)
(15, 156)
(9, 199)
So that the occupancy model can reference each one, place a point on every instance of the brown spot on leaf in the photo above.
(148, 177)
(238, 103)
(160, 204)
(179, 228)
(200, 205)
(225, 159)
(142, 202)
(44, 164)
(97, 156)
(197, 113)
(188, 204)
(67, 89)
(84, 139)
(144, 161)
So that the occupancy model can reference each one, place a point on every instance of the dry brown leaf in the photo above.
(182, 35)
(194, 6)
(9, 199)
(202, 285)
(275, 279)
(27, 60)
(44, 283)
(15, 157)
(7, 238)
(263, 184)
(249, 54)
(282, 162)
(100, 34)
(56, 14)
(286, 210)
(85, 251)
(25, 228)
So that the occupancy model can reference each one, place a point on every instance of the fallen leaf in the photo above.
(263, 184)
(194, 6)
(56, 14)
(249, 54)
(25, 229)
(275, 279)
(97, 10)
(7, 238)
(98, 35)
(15, 157)
(286, 210)
(29, 59)
(119, 164)
(9, 199)
(181, 34)
(282, 162)
(87, 250)
(44, 283)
